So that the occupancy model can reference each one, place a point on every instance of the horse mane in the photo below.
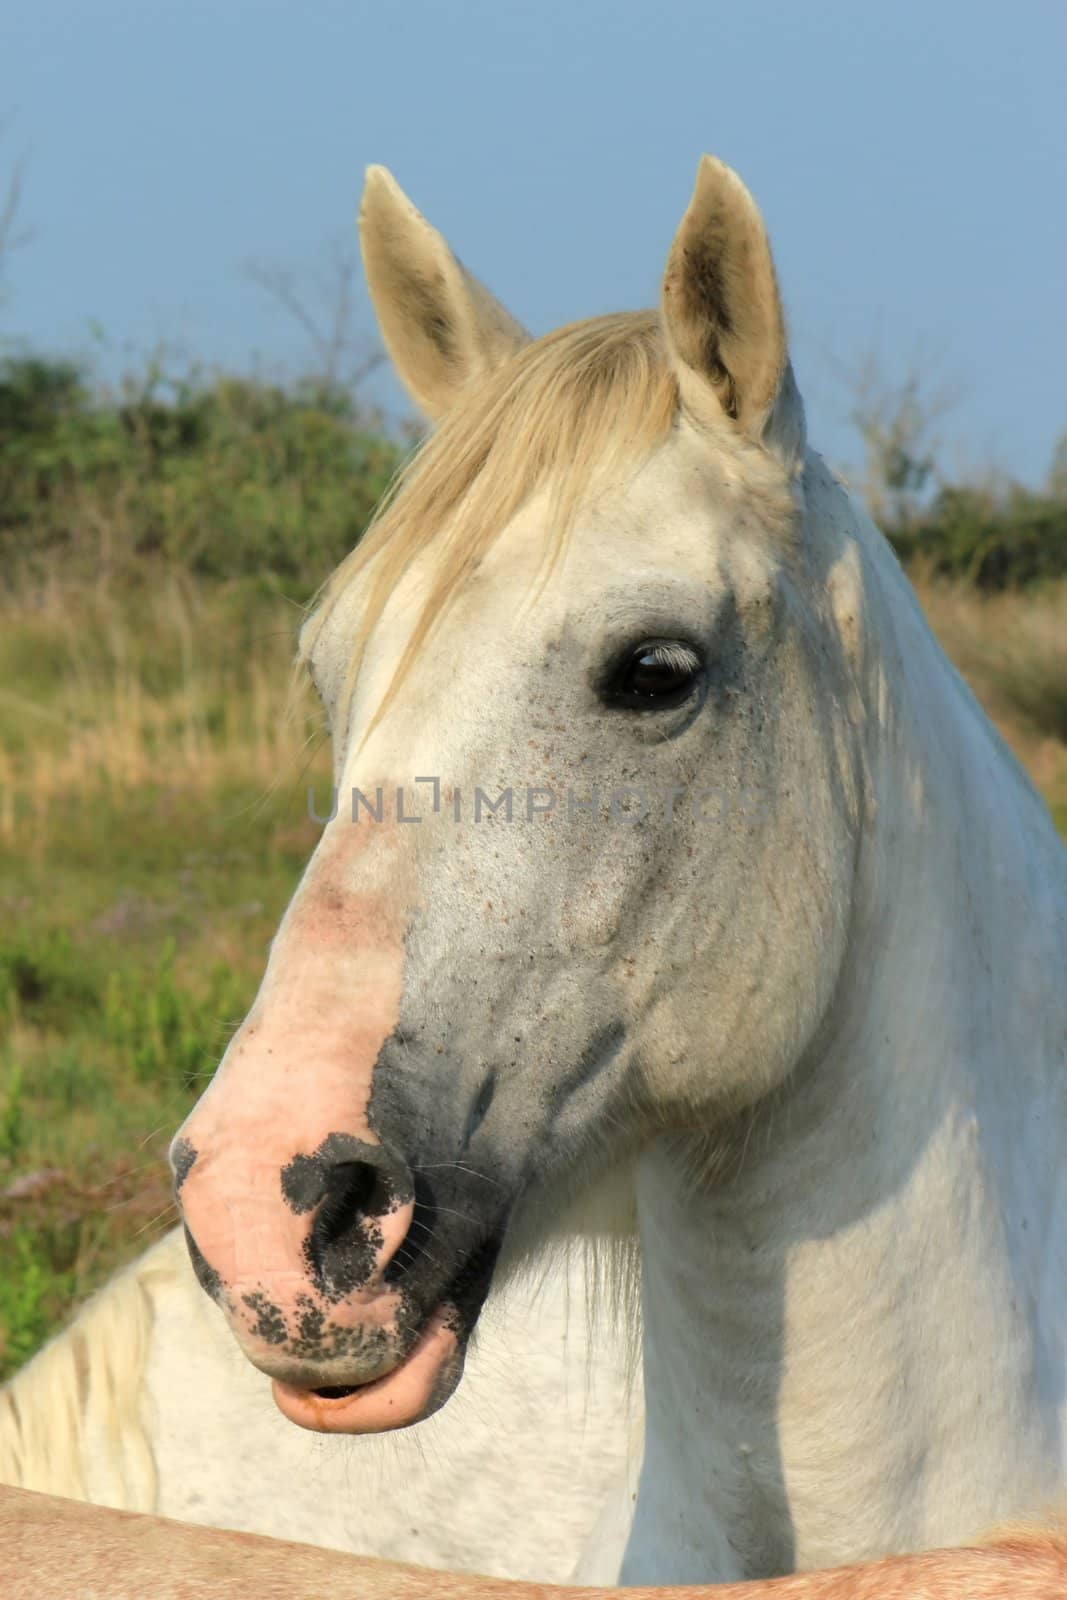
(570, 411)
(80, 1396)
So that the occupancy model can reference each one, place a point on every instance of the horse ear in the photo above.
(443, 330)
(723, 316)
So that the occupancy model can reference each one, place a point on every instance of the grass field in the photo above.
(152, 826)
(153, 775)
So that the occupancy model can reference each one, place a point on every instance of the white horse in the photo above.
(145, 1404)
(720, 877)
(724, 891)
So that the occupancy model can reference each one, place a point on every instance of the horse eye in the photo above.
(658, 674)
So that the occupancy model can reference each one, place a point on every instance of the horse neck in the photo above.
(855, 1342)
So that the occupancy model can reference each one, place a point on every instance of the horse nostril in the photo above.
(348, 1171)
(352, 1190)
(355, 1190)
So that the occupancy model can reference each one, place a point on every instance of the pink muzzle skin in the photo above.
(304, 1288)
(356, 1346)
(294, 1208)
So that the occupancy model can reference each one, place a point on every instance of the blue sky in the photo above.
(910, 159)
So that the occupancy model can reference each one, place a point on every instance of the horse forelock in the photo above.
(569, 413)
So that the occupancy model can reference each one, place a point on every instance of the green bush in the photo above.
(232, 477)
(160, 1031)
(12, 1116)
(224, 477)
(25, 1315)
(1006, 541)
(37, 395)
(42, 978)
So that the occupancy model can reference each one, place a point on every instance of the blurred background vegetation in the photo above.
(158, 539)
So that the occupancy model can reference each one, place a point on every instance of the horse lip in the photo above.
(457, 1308)
(341, 1391)
(333, 1381)
(414, 1388)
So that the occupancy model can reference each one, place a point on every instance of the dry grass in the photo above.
(1012, 649)
(181, 685)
